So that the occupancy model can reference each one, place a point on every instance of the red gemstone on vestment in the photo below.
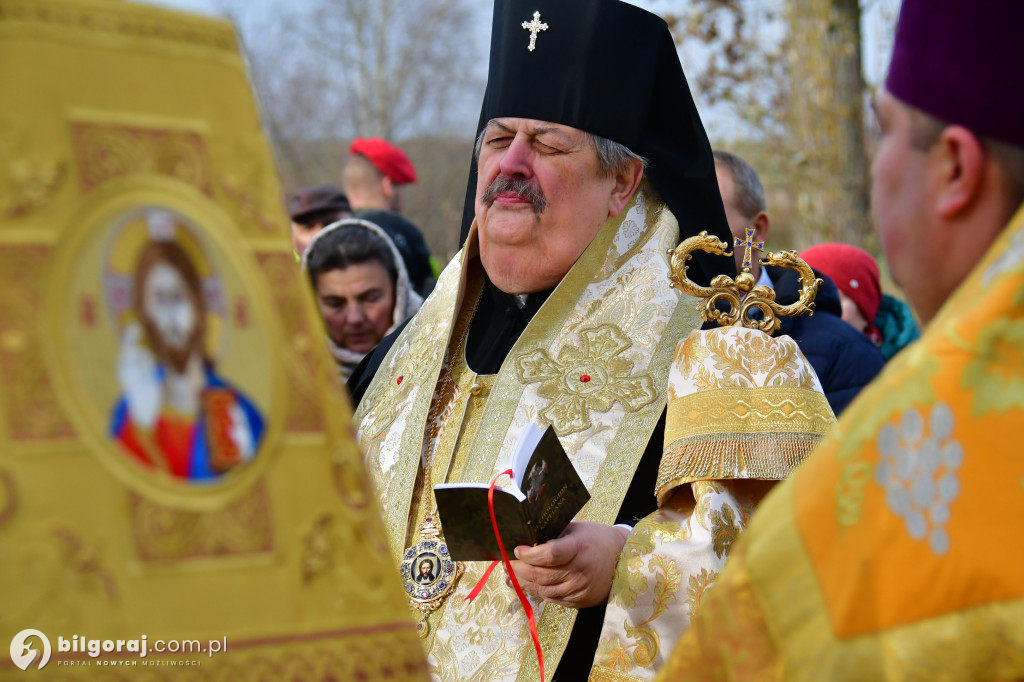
(585, 378)
(399, 381)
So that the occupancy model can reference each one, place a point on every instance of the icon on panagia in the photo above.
(176, 453)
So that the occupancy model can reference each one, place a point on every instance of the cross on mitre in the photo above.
(748, 244)
(533, 27)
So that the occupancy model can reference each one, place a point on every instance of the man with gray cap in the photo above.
(558, 311)
(895, 552)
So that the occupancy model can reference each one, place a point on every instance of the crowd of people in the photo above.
(884, 549)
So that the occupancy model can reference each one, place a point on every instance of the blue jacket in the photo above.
(844, 359)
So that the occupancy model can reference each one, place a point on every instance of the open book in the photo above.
(549, 495)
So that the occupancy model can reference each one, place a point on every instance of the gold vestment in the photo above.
(613, 318)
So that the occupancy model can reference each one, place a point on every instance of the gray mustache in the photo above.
(522, 188)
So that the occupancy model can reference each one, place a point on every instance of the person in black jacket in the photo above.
(844, 359)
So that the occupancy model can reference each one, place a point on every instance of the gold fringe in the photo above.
(765, 456)
(606, 675)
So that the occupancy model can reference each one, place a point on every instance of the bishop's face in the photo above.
(541, 198)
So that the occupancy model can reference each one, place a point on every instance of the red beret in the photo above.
(853, 270)
(389, 159)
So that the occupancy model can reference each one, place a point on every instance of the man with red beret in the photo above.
(895, 551)
(373, 173)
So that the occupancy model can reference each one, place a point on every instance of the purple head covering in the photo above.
(963, 62)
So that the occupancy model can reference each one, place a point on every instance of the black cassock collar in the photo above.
(497, 324)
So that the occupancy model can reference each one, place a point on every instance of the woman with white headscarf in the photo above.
(361, 286)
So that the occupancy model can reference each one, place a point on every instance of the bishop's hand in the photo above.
(575, 569)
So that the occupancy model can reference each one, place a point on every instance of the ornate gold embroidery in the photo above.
(739, 357)
(612, 659)
(911, 370)
(33, 409)
(728, 435)
(165, 534)
(628, 584)
(319, 548)
(644, 646)
(629, 305)
(106, 151)
(593, 377)
(28, 181)
(732, 411)
(724, 530)
(8, 496)
(704, 492)
(993, 375)
(305, 411)
(697, 586)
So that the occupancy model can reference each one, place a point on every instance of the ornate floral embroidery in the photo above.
(724, 530)
(628, 584)
(613, 654)
(704, 492)
(601, 359)
(742, 357)
(992, 375)
(918, 472)
(912, 371)
(696, 588)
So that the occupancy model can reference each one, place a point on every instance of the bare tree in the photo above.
(827, 119)
(733, 53)
(398, 63)
(795, 80)
(412, 71)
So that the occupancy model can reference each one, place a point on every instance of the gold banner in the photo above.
(179, 484)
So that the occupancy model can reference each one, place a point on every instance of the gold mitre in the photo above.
(742, 404)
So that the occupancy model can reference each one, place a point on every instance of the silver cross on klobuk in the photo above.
(533, 27)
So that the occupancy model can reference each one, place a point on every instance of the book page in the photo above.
(521, 453)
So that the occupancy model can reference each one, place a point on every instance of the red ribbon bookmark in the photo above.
(531, 621)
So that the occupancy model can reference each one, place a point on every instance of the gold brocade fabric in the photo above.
(741, 405)
(614, 318)
(455, 419)
(177, 458)
(666, 569)
(894, 552)
(744, 410)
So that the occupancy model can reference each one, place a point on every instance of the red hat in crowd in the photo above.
(389, 159)
(853, 270)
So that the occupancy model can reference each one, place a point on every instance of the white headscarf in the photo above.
(407, 301)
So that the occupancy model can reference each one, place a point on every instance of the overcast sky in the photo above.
(877, 27)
